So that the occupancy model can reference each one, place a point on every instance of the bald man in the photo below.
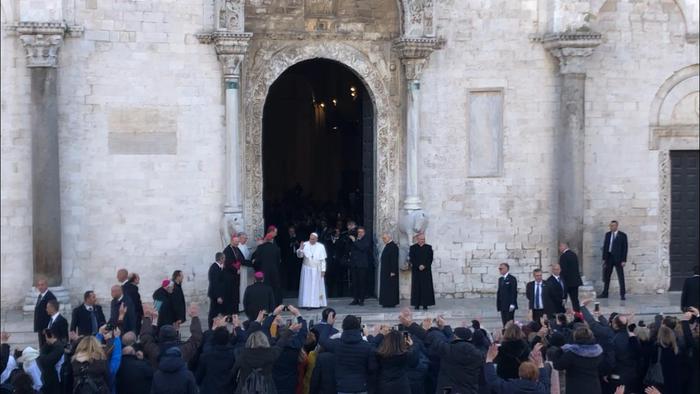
(41, 317)
(119, 299)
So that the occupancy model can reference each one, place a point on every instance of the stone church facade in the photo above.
(132, 130)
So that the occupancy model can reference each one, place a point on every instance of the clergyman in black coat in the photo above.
(88, 317)
(690, 296)
(232, 273)
(507, 295)
(568, 261)
(420, 255)
(41, 317)
(267, 259)
(216, 288)
(614, 256)
(555, 294)
(258, 296)
(360, 252)
(389, 273)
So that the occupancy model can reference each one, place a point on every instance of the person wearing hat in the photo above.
(28, 361)
(257, 297)
(172, 375)
(163, 302)
(267, 259)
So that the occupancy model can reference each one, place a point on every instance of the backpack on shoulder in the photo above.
(86, 383)
(254, 383)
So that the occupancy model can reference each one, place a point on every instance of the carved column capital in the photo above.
(414, 53)
(571, 49)
(230, 49)
(41, 41)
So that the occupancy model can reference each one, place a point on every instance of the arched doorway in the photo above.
(318, 162)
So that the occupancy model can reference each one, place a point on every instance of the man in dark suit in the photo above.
(359, 263)
(41, 318)
(130, 289)
(266, 258)
(57, 323)
(119, 299)
(555, 294)
(88, 317)
(690, 297)
(568, 261)
(535, 293)
(614, 256)
(507, 295)
(216, 288)
(420, 255)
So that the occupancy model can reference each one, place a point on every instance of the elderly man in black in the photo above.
(420, 255)
(360, 254)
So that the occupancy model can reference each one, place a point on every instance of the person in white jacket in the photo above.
(312, 288)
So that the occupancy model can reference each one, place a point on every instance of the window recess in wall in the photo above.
(485, 132)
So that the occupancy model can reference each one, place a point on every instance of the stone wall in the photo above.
(142, 133)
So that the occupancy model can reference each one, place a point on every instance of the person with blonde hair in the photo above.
(90, 368)
(667, 354)
(513, 351)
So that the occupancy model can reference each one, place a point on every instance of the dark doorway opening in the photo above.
(318, 164)
(685, 216)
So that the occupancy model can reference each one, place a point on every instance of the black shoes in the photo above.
(425, 308)
(361, 303)
(622, 298)
(354, 302)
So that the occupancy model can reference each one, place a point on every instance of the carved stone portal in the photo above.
(266, 66)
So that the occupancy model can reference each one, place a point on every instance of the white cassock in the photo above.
(312, 289)
(246, 274)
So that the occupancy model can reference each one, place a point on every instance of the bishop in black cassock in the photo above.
(266, 258)
(389, 271)
(232, 275)
(421, 256)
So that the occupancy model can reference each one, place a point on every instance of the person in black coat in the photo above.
(119, 299)
(258, 296)
(627, 351)
(568, 261)
(163, 302)
(57, 323)
(507, 295)
(354, 358)
(178, 297)
(389, 273)
(420, 255)
(88, 317)
(216, 288)
(360, 251)
(286, 366)
(395, 355)
(131, 290)
(535, 291)
(266, 258)
(581, 362)
(135, 375)
(555, 295)
(513, 351)
(41, 318)
(323, 374)
(533, 377)
(49, 355)
(690, 296)
(214, 369)
(614, 256)
(257, 355)
(172, 376)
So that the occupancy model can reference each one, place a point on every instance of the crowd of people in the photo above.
(278, 351)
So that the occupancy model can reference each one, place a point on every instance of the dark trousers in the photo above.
(507, 316)
(214, 310)
(572, 292)
(607, 273)
(42, 340)
(359, 283)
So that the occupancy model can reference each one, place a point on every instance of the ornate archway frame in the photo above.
(267, 64)
(665, 136)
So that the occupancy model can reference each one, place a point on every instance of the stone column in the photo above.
(414, 53)
(42, 43)
(231, 49)
(571, 49)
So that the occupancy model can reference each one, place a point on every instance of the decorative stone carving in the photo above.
(42, 50)
(414, 53)
(230, 15)
(418, 18)
(571, 49)
(231, 223)
(319, 8)
(665, 215)
(269, 62)
(412, 223)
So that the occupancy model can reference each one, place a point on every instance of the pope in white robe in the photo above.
(312, 288)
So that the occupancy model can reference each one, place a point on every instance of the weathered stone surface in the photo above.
(156, 213)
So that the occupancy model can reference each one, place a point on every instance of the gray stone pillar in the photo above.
(571, 49)
(42, 47)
